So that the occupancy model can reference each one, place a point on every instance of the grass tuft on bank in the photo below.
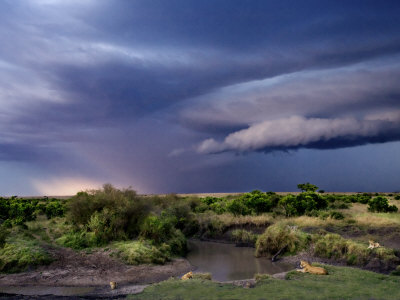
(21, 252)
(140, 252)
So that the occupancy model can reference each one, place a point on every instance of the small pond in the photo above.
(228, 262)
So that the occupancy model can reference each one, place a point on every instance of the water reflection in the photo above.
(227, 262)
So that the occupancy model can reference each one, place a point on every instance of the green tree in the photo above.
(307, 187)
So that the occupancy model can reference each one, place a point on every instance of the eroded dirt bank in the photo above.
(72, 268)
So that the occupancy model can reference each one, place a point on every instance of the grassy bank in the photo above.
(341, 283)
(22, 251)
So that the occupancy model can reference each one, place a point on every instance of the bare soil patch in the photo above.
(72, 268)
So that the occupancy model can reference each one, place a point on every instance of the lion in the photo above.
(307, 268)
(373, 245)
(113, 285)
(187, 276)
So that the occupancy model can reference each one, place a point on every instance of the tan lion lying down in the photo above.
(373, 245)
(307, 268)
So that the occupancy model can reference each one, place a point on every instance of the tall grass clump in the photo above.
(140, 252)
(280, 236)
(20, 252)
(244, 237)
(353, 253)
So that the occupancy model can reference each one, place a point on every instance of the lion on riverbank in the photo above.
(373, 245)
(307, 268)
(187, 276)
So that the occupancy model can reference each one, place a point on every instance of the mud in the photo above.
(74, 270)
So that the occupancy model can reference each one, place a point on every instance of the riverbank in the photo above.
(80, 273)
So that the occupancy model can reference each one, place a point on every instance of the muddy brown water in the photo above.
(227, 262)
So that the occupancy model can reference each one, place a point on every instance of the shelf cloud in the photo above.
(298, 132)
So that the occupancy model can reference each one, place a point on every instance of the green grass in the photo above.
(140, 252)
(280, 236)
(341, 283)
(21, 252)
(354, 253)
(244, 236)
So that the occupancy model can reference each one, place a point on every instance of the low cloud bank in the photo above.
(299, 132)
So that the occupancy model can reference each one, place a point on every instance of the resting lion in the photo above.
(113, 285)
(307, 268)
(373, 245)
(187, 276)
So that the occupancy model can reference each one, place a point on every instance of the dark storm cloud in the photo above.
(298, 132)
(175, 73)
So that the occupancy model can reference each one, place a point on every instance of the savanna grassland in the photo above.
(122, 232)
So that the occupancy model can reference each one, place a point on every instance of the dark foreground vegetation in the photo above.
(154, 229)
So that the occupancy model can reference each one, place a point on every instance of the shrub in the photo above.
(360, 198)
(302, 203)
(381, 204)
(354, 253)
(121, 211)
(54, 209)
(3, 236)
(184, 218)
(78, 240)
(238, 207)
(336, 215)
(397, 197)
(396, 272)
(278, 236)
(244, 236)
(18, 254)
(254, 203)
(140, 252)
(158, 229)
(162, 230)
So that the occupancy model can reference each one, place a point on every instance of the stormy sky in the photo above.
(199, 96)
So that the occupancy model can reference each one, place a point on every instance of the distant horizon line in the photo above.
(220, 194)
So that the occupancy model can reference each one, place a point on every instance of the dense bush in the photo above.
(278, 236)
(253, 203)
(381, 204)
(337, 215)
(302, 203)
(113, 213)
(17, 211)
(397, 197)
(161, 230)
(78, 240)
(54, 209)
(360, 198)
(3, 235)
(184, 218)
